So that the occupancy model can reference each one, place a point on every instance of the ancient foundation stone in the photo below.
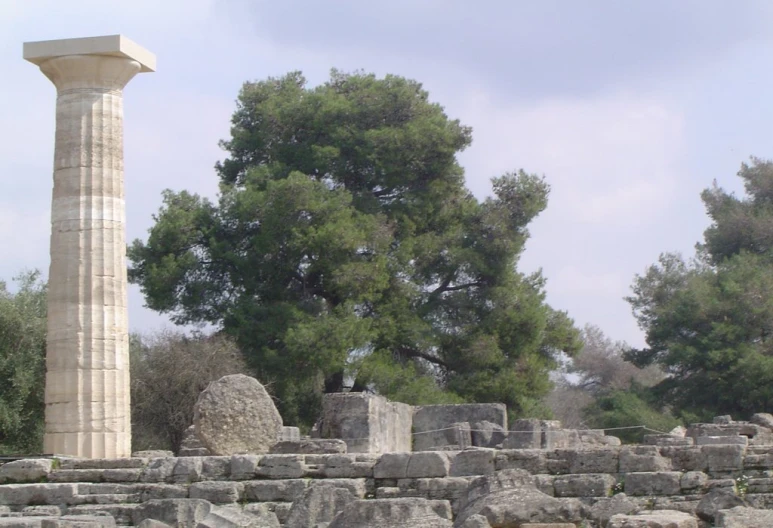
(367, 423)
(395, 513)
(236, 415)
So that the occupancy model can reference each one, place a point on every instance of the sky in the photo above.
(629, 110)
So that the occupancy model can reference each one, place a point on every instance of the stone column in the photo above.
(87, 352)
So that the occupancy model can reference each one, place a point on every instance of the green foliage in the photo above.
(627, 409)
(22, 365)
(709, 322)
(168, 372)
(344, 249)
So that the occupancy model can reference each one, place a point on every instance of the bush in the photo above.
(168, 371)
(22, 365)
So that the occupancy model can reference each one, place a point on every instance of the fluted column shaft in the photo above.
(87, 358)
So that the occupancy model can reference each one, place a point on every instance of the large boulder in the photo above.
(395, 513)
(511, 498)
(236, 415)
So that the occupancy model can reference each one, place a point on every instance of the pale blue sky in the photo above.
(628, 108)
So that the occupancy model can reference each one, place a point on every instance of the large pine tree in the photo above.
(344, 249)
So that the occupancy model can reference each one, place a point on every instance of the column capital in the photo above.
(107, 62)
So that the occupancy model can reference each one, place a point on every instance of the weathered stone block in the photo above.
(525, 433)
(722, 440)
(23, 471)
(744, 517)
(274, 490)
(408, 512)
(289, 434)
(654, 519)
(475, 461)
(555, 437)
(487, 434)
(158, 470)
(587, 485)
(428, 464)
(367, 423)
(392, 466)
(78, 521)
(532, 460)
(667, 440)
(26, 494)
(175, 512)
(281, 466)
(684, 458)
(455, 436)
(434, 417)
(244, 467)
(187, 469)
(310, 446)
(148, 492)
(319, 503)
(693, 482)
(216, 492)
(344, 466)
(724, 458)
(651, 483)
(591, 460)
(635, 459)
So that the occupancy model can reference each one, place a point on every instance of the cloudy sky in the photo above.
(628, 108)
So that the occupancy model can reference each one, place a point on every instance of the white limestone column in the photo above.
(87, 355)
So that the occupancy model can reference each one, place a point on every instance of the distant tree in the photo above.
(344, 250)
(709, 321)
(168, 372)
(590, 390)
(22, 365)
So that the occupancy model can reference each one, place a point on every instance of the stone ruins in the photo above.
(369, 462)
(374, 463)
(87, 349)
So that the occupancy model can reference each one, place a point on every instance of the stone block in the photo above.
(654, 519)
(148, 492)
(487, 434)
(532, 460)
(152, 453)
(603, 509)
(25, 471)
(344, 466)
(79, 521)
(31, 494)
(319, 503)
(395, 512)
(763, 420)
(431, 417)
(555, 437)
(448, 488)
(122, 475)
(187, 469)
(452, 437)
(244, 467)
(391, 466)
(525, 433)
(122, 513)
(216, 492)
(601, 460)
(367, 423)
(653, 483)
(45, 510)
(586, 485)
(428, 464)
(158, 470)
(175, 512)
(722, 440)
(102, 463)
(289, 434)
(724, 458)
(225, 517)
(635, 459)
(685, 458)
(744, 517)
(475, 461)
(693, 482)
(667, 440)
(274, 490)
(310, 446)
(281, 466)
